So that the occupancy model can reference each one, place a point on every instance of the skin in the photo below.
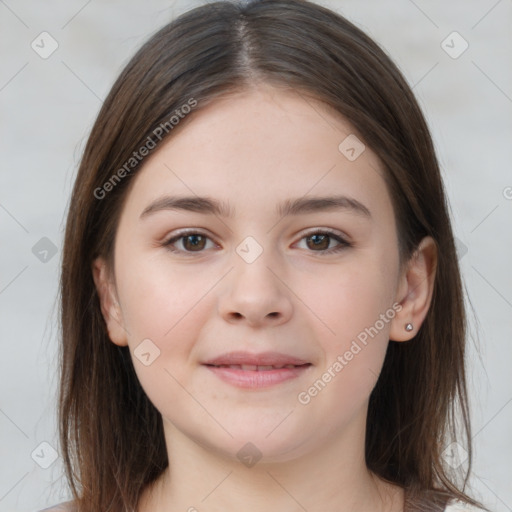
(253, 150)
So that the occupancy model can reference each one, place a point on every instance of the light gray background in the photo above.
(48, 107)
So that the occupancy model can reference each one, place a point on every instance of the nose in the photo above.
(256, 294)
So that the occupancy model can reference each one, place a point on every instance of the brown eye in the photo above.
(194, 242)
(190, 242)
(319, 242)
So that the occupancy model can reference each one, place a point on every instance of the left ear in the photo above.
(414, 291)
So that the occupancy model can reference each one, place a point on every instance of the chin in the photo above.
(251, 445)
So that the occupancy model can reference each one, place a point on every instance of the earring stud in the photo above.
(409, 327)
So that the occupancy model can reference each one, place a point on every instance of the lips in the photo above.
(257, 371)
(263, 361)
(254, 367)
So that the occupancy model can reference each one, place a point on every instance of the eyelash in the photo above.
(343, 243)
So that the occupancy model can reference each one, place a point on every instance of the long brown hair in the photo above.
(111, 435)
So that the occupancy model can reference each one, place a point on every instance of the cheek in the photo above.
(168, 308)
(353, 299)
(157, 298)
(358, 311)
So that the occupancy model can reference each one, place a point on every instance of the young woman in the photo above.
(261, 301)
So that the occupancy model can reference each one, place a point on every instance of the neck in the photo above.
(333, 476)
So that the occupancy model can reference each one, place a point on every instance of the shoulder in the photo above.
(459, 506)
(67, 506)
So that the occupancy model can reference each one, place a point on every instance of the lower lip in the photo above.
(255, 378)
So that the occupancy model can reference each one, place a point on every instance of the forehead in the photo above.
(260, 147)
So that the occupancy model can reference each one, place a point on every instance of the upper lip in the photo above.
(261, 359)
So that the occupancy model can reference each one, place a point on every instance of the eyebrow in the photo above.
(298, 206)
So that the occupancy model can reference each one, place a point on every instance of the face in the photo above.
(315, 284)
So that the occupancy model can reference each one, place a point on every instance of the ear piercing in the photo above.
(409, 327)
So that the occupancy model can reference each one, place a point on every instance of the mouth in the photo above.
(263, 360)
(256, 377)
(258, 368)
